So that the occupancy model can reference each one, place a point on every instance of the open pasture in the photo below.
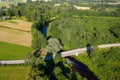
(14, 72)
(12, 51)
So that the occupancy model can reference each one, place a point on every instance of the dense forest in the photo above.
(53, 69)
(86, 30)
(69, 28)
(37, 9)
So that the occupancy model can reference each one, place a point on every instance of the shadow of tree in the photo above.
(65, 70)
(48, 68)
(74, 77)
(36, 54)
(89, 48)
(50, 65)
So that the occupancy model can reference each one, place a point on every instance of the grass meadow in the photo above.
(14, 72)
(12, 51)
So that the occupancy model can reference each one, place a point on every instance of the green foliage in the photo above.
(38, 40)
(74, 28)
(78, 32)
(115, 30)
(53, 69)
(104, 63)
(53, 45)
(37, 69)
(12, 51)
(36, 11)
(80, 1)
(33, 11)
(58, 73)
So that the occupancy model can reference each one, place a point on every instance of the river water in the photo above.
(44, 30)
(82, 69)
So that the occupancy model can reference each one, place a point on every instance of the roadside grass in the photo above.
(12, 51)
(14, 72)
(15, 36)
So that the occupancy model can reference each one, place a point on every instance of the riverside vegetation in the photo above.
(70, 28)
(104, 63)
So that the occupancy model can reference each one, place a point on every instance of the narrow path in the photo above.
(12, 62)
(82, 69)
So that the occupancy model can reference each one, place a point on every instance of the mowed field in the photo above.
(12, 51)
(11, 32)
(19, 72)
(17, 24)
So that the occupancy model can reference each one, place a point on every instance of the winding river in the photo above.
(82, 69)
(79, 67)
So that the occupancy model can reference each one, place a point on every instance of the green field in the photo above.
(14, 72)
(12, 51)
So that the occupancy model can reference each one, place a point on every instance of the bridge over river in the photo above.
(82, 50)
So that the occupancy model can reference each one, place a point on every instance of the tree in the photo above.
(53, 45)
(29, 1)
(38, 40)
(37, 69)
